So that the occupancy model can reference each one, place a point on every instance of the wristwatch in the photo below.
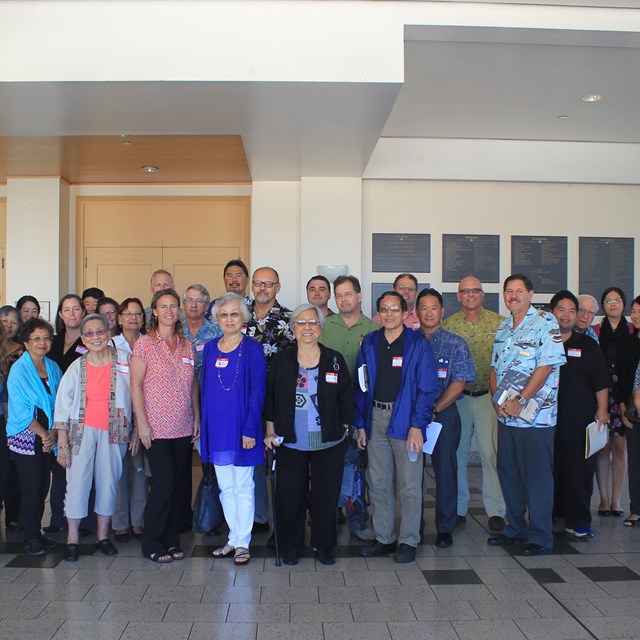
(521, 401)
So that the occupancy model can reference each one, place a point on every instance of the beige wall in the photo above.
(503, 208)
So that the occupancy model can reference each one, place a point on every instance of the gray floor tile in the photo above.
(347, 594)
(491, 576)
(488, 630)
(568, 591)
(356, 631)
(11, 574)
(115, 592)
(343, 564)
(256, 612)
(196, 612)
(140, 611)
(414, 576)
(609, 574)
(419, 593)
(383, 612)
(226, 631)
(38, 576)
(289, 595)
(613, 627)
(297, 631)
(52, 591)
(518, 591)
(157, 631)
(355, 578)
(578, 607)
(594, 560)
(549, 608)
(98, 576)
(215, 578)
(73, 610)
(624, 589)
(434, 563)
(553, 629)
(191, 593)
(260, 578)
(156, 578)
(322, 612)
(316, 578)
(213, 593)
(504, 610)
(83, 629)
(518, 575)
(617, 606)
(491, 562)
(21, 609)
(462, 592)
(430, 630)
(444, 611)
(31, 629)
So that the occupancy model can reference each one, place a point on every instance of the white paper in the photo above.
(363, 379)
(596, 439)
(433, 431)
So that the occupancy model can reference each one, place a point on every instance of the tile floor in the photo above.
(585, 589)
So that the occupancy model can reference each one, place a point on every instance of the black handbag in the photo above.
(207, 510)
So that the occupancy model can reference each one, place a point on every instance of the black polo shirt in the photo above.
(389, 368)
(585, 373)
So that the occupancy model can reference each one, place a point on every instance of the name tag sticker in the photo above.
(188, 361)
(396, 362)
(416, 325)
(332, 378)
(199, 346)
(442, 374)
(122, 367)
(526, 354)
(221, 363)
(81, 350)
(574, 353)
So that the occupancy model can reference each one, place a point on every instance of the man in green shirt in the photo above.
(478, 327)
(344, 332)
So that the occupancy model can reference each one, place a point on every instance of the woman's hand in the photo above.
(248, 443)
(625, 421)
(196, 430)
(64, 457)
(145, 434)
(134, 445)
(48, 441)
(270, 440)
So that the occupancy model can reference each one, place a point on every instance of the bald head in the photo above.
(470, 294)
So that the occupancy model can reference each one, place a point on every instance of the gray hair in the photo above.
(224, 300)
(305, 307)
(198, 287)
(94, 316)
(586, 296)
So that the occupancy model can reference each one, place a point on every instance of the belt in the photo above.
(383, 405)
(476, 394)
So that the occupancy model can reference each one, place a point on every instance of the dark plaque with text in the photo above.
(543, 259)
(606, 262)
(401, 252)
(464, 255)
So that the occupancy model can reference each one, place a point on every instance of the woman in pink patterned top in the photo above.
(166, 405)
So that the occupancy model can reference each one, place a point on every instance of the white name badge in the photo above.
(221, 363)
(396, 362)
(416, 325)
(81, 350)
(332, 378)
(122, 367)
(442, 374)
(199, 346)
(574, 353)
(188, 361)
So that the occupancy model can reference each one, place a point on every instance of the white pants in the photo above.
(478, 415)
(97, 459)
(238, 502)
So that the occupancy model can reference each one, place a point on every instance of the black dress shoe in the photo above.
(107, 547)
(461, 520)
(290, 557)
(405, 554)
(52, 528)
(71, 552)
(14, 527)
(122, 536)
(378, 549)
(496, 523)
(47, 543)
(323, 556)
(34, 548)
(536, 549)
(503, 541)
(260, 527)
(444, 540)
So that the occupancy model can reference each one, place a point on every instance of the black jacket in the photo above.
(335, 401)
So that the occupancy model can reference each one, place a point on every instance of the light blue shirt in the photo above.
(206, 333)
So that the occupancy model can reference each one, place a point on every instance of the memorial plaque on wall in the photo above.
(401, 252)
(606, 262)
(451, 304)
(543, 259)
(378, 288)
(463, 255)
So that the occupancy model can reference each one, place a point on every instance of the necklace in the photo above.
(235, 377)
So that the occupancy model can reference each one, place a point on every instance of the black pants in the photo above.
(9, 484)
(167, 459)
(33, 474)
(573, 484)
(633, 456)
(295, 471)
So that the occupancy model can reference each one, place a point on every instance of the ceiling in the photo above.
(460, 83)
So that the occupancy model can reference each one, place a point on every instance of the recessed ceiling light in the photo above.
(592, 97)
(126, 142)
(563, 117)
(149, 169)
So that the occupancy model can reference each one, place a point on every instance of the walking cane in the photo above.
(273, 504)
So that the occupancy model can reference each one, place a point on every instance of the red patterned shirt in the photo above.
(167, 384)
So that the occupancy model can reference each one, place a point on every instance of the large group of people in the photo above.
(102, 415)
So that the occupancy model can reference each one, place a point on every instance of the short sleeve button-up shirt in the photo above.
(453, 360)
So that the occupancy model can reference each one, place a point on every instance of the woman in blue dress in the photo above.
(234, 371)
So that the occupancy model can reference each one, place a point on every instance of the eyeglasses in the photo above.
(613, 301)
(234, 315)
(195, 300)
(390, 310)
(108, 314)
(466, 292)
(39, 339)
(311, 323)
(403, 287)
(346, 294)
(586, 312)
(99, 332)
(267, 284)
(132, 314)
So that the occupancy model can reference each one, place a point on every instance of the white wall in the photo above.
(439, 207)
